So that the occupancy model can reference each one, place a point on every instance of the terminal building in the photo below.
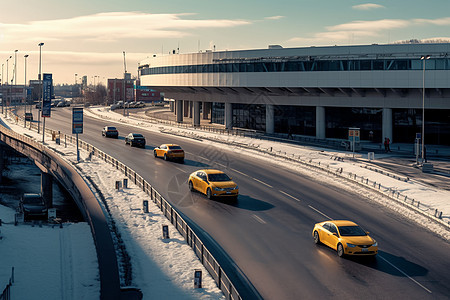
(313, 91)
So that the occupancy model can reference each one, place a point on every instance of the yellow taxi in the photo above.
(169, 152)
(213, 183)
(346, 237)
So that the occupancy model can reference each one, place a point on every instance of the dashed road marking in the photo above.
(262, 182)
(289, 195)
(239, 172)
(320, 212)
(259, 219)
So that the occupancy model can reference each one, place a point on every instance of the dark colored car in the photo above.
(135, 139)
(110, 131)
(32, 205)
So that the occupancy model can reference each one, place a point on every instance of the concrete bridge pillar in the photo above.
(2, 162)
(46, 188)
(270, 119)
(171, 106)
(387, 124)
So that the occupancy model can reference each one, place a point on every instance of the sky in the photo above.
(89, 37)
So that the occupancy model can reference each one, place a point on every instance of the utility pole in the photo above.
(124, 81)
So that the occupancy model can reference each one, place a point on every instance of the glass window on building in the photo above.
(408, 122)
(218, 113)
(340, 119)
(292, 119)
(249, 116)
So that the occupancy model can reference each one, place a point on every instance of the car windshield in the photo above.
(174, 147)
(352, 231)
(111, 128)
(32, 200)
(218, 177)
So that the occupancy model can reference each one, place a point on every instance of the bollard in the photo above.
(125, 183)
(145, 206)
(198, 279)
(165, 231)
(118, 185)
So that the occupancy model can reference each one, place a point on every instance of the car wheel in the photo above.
(208, 194)
(191, 186)
(316, 237)
(340, 250)
(155, 154)
(165, 157)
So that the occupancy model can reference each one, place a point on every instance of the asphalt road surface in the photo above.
(267, 233)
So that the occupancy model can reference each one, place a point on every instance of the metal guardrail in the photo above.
(6, 294)
(205, 256)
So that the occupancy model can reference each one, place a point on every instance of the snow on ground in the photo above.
(162, 269)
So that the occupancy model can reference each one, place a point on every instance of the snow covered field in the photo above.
(164, 268)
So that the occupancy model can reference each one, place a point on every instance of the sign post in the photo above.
(354, 137)
(77, 125)
(46, 100)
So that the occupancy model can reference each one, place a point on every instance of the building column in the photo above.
(191, 104)
(172, 106)
(270, 119)
(47, 188)
(387, 124)
(206, 108)
(228, 115)
(320, 122)
(186, 108)
(196, 113)
(179, 110)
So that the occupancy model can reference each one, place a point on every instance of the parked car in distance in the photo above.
(169, 152)
(135, 139)
(28, 117)
(32, 205)
(213, 183)
(110, 131)
(346, 237)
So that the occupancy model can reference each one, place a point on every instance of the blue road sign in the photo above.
(47, 95)
(77, 120)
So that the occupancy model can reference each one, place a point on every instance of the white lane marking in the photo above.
(238, 172)
(320, 212)
(259, 219)
(262, 182)
(178, 168)
(222, 165)
(405, 274)
(289, 195)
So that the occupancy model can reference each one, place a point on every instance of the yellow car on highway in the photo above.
(169, 152)
(213, 183)
(346, 237)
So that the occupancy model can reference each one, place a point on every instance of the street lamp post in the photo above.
(7, 82)
(40, 84)
(424, 58)
(15, 67)
(26, 92)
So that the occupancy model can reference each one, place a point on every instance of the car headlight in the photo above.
(350, 245)
(236, 187)
(218, 189)
(375, 244)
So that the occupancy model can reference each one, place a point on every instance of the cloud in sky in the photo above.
(111, 27)
(367, 6)
(357, 31)
(274, 18)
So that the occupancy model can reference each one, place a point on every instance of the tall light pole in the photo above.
(26, 91)
(40, 84)
(1, 83)
(424, 58)
(7, 83)
(15, 67)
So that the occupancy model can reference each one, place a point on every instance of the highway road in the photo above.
(267, 233)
